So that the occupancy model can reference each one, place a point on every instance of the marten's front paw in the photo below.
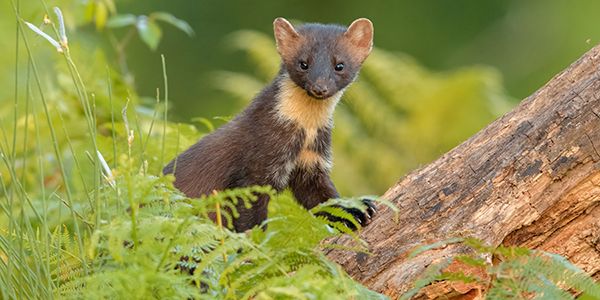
(351, 213)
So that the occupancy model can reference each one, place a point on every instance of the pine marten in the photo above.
(283, 138)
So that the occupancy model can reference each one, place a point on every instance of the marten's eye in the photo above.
(303, 65)
(339, 67)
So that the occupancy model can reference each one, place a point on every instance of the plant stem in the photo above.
(164, 133)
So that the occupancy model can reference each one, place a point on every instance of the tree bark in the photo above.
(531, 178)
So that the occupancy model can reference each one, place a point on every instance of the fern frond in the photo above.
(521, 273)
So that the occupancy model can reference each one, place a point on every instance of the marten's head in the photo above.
(323, 59)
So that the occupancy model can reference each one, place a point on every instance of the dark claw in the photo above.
(362, 218)
(371, 208)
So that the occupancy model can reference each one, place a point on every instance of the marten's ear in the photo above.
(287, 38)
(360, 35)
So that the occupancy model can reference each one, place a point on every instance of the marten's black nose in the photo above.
(319, 91)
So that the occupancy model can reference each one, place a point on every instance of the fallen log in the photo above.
(531, 178)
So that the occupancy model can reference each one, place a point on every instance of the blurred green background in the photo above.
(441, 69)
(527, 41)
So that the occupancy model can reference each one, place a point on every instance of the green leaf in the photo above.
(472, 261)
(586, 296)
(101, 15)
(121, 21)
(88, 14)
(149, 31)
(169, 18)
(440, 244)
(206, 122)
(110, 4)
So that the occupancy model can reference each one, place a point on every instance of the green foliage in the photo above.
(520, 273)
(151, 242)
(147, 26)
(98, 12)
(395, 117)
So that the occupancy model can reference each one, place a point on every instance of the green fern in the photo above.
(521, 273)
(180, 252)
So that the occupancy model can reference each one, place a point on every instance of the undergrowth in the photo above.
(87, 213)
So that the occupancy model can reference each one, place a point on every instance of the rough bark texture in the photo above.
(531, 178)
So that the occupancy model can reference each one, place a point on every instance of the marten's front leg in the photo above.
(249, 217)
(313, 186)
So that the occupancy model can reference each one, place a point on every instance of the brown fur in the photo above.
(310, 159)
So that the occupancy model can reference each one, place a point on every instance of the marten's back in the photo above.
(204, 166)
(249, 150)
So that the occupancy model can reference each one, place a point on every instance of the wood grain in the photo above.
(530, 178)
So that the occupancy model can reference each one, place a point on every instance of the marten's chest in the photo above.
(314, 120)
